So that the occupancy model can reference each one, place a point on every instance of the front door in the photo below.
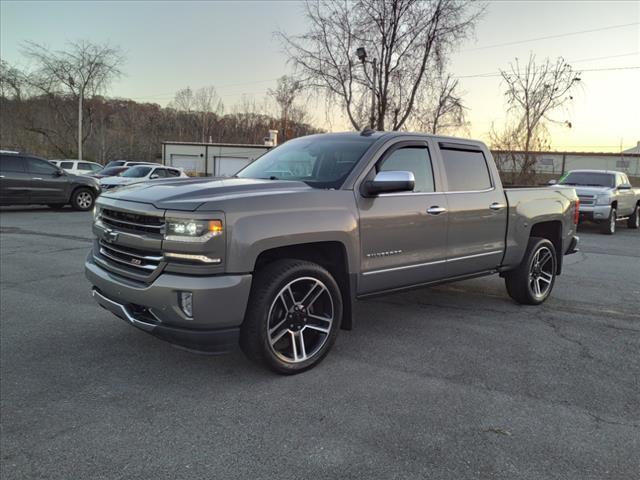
(477, 211)
(401, 242)
(47, 185)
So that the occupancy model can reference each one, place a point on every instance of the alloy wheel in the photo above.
(84, 200)
(542, 272)
(300, 320)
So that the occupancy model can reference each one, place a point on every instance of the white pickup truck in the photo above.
(606, 197)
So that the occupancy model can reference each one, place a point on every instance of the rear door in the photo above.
(626, 198)
(47, 185)
(401, 243)
(14, 180)
(477, 210)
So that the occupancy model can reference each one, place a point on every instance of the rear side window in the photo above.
(412, 159)
(40, 167)
(466, 170)
(85, 166)
(173, 173)
(12, 164)
(67, 165)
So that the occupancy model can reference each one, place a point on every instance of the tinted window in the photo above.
(41, 167)
(66, 164)
(86, 166)
(411, 159)
(137, 172)
(160, 173)
(173, 173)
(589, 179)
(466, 170)
(12, 164)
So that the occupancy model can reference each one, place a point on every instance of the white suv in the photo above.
(77, 167)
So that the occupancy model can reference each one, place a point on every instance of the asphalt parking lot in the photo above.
(453, 382)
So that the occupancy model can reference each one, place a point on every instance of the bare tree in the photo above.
(404, 41)
(82, 71)
(534, 92)
(442, 108)
(12, 81)
(285, 94)
(208, 105)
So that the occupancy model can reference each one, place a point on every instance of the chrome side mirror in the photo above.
(389, 182)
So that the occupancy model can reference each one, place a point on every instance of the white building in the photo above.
(558, 163)
(210, 159)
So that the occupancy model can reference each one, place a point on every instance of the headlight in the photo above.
(192, 230)
(96, 213)
(603, 199)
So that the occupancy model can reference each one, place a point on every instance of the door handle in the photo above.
(497, 206)
(435, 210)
(36, 178)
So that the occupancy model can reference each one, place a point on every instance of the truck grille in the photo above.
(132, 222)
(138, 261)
(586, 199)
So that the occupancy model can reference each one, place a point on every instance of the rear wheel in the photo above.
(532, 281)
(293, 316)
(609, 227)
(82, 199)
(634, 220)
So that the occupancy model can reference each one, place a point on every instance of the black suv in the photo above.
(25, 179)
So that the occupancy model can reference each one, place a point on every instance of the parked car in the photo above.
(77, 167)
(25, 179)
(606, 197)
(126, 163)
(109, 172)
(140, 173)
(275, 264)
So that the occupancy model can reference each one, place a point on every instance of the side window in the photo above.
(67, 165)
(160, 172)
(85, 166)
(412, 159)
(466, 170)
(11, 164)
(173, 173)
(95, 167)
(40, 167)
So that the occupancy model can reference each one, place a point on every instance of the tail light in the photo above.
(576, 213)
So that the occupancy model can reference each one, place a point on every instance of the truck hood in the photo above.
(190, 194)
(121, 180)
(592, 191)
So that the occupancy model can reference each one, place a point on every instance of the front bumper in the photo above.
(219, 304)
(594, 213)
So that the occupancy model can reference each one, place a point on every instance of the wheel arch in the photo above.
(331, 255)
(552, 231)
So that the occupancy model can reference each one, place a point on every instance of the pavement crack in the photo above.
(584, 350)
(599, 419)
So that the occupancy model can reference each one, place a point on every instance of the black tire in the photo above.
(56, 206)
(82, 199)
(521, 281)
(266, 310)
(633, 221)
(609, 226)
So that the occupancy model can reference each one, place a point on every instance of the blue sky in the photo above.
(231, 45)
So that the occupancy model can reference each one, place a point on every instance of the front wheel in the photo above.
(634, 220)
(609, 226)
(532, 281)
(83, 199)
(293, 316)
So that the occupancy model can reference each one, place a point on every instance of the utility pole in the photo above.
(80, 96)
(361, 53)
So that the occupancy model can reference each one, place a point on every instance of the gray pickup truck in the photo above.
(274, 258)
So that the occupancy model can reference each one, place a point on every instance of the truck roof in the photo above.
(394, 134)
(610, 172)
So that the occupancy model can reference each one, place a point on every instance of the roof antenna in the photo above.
(367, 132)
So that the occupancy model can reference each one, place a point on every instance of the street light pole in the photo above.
(361, 53)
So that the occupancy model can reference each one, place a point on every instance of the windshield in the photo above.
(589, 179)
(319, 161)
(136, 172)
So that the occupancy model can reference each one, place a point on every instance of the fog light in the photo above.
(186, 303)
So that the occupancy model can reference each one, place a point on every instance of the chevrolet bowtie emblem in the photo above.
(110, 236)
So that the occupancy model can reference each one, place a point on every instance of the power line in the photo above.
(498, 74)
(548, 37)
